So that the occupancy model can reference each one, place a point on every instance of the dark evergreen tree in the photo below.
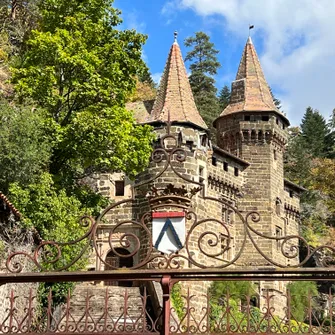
(276, 101)
(145, 77)
(204, 65)
(224, 97)
(315, 133)
(330, 139)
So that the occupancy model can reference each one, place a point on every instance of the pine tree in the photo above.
(224, 97)
(203, 67)
(276, 101)
(314, 133)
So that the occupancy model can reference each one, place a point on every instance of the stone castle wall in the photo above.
(257, 186)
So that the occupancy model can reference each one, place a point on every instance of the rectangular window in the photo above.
(236, 171)
(203, 140)
(214, 161)
(246, 117)
(265, 117)
(291, 194)
(275, 155)
(119, 188)
(225, 166)
(189, 144)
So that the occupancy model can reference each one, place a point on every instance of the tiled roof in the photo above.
(175, 94)
(11, 207)
(250, 91)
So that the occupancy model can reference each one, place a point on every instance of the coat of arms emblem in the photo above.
(168, 231)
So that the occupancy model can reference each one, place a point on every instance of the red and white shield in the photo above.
(168, 231)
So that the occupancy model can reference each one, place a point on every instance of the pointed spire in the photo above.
(250, 91)
(175, 95)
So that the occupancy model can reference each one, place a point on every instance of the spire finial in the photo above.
(175, 36)
(251, 26)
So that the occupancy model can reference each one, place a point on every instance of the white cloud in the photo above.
(131, 21)
(156, 77)
(298, 55)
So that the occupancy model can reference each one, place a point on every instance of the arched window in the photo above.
(113, 260)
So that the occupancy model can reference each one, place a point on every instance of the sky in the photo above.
(294, 39)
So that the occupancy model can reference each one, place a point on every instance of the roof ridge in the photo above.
(253, 94)
(255, 59)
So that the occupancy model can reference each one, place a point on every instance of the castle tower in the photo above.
(252, 128)
(175, 97)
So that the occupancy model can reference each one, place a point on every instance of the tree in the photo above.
(301, 293)
(314, 131)
(146, 78)
(224, 97)
(276, 101)
(323, 180)
(18, 18)
(203, 67)
(81, 70)
(25, 148)
(306, 165)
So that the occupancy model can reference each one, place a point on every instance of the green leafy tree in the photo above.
(204, 66)
(25, 148)
(224, 97)
(301, 296)
(81, 69)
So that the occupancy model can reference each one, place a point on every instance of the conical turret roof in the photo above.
(250, 91)
(175, 95)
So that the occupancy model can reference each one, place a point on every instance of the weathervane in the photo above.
(175, 36)
(251, 26)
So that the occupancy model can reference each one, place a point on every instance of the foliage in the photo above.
(306, 165)
(323, 180)
(300, 293)
(204, 66)
(77, 70)
(146, 77)
(18, 18)
(236, 289)
(54, 214)
(25, 148)
(228, 299)
(144, 91)
(276, 101)
(81, 70)
(177, 300)
(314, 133)
(224, 97)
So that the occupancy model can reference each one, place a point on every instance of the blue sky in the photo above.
(293, 39)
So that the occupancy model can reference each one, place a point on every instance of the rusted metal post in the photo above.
(166, 287)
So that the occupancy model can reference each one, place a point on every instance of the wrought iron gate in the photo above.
(200, 259)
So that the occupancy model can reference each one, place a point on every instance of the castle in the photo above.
(242, 174)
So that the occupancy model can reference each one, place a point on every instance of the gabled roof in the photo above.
(250, 91)
(175, 95)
